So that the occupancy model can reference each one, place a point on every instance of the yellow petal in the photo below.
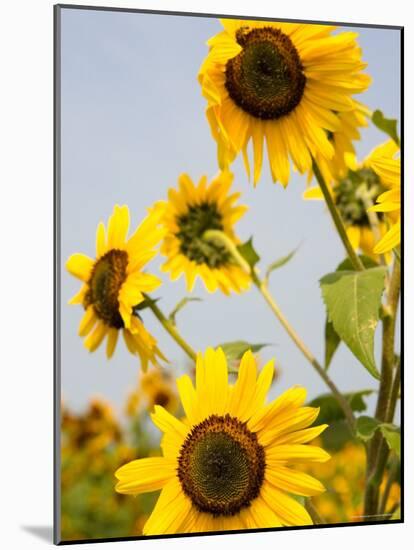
(354, 236)
(169, 513)
(296, 453)
(287, 509)
(100, 240)
(111, 341)
(277, 152)
(313, 193)
(145, 475)
(214, 390)
(93, 341)
(242, 397)
(293, 481)
(263, 384)
(88, 321)
(390, 240)
(301, 436)
(80, 266)
(80, 296)
(259, 515)
(286, 422)
(167, 422)
(118, 227)
(290, 400)
(188, 398)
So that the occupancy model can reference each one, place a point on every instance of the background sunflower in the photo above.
(192, 210)
(361, 187)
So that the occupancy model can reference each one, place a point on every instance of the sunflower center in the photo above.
(351, 194)
(192, 225)
(266, 78)
(108, 275)
(221, 466)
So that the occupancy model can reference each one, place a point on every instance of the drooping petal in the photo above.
(111, 341)
(88, 321)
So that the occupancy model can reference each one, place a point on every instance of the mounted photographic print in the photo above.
(228, 348)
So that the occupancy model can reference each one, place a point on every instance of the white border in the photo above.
(26, 176)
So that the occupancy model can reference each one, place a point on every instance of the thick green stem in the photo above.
(395, 391)
(336, 217)
(392, 476)
(313, 512)
(388, 392)
(225, 241)
(170, 327)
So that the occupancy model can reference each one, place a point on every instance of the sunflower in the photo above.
(114, 283)
(286, 83)
(159, 389)
(389, 170)
(228, 464)
(360, 187)
(192, 210)
(155, 387)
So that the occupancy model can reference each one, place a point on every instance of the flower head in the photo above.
(114, 283)
(190, 212)
(155, 387)
(285, 84)
(354, 192)
(230, 463)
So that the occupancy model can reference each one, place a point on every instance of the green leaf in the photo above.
(336, 436)
(367, 262)
(249, 253)
(331, 411)
(366, 426)
(182, 303)
(332, 342)
(392, 436)
(353, 300)
(332, 339)
(234, 351)
(280, 262)
(387, 125)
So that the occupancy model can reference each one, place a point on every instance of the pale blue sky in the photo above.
(132, 121)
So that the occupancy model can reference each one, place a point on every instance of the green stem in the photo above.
(387, 397)
(313, 512)
(392, 476)
(394, 392)
(171, 328)
(337, 219)
(225, 241)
